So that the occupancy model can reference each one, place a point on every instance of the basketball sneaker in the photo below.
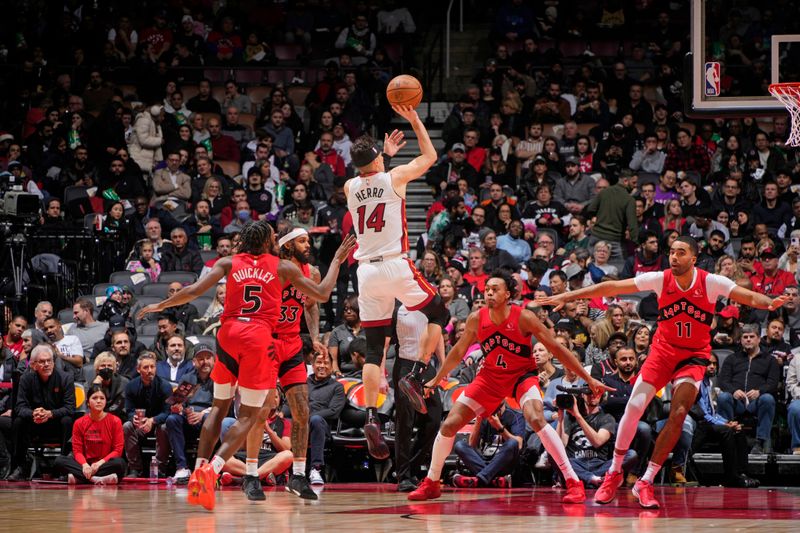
(299, 486)
(644, 493)
(375, 444)
(413, 388)
(608, 489)
(575, 492)
(226, 479)
(193, 486)
(464, 482)
(206, 481)
(427, 490)
(251, 486)
(501, 482)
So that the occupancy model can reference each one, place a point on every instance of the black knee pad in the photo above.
(436, 312)
(376, 338)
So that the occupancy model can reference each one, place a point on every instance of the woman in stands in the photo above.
(212, 192)
(97, 444)
(142, 260)
(115, 239)
(583, 151)
(342, 335)
(209, 322)
(673, 217)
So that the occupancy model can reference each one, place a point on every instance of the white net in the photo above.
(789, 96)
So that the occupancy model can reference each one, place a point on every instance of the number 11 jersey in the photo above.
(253, 290)
(379, 217)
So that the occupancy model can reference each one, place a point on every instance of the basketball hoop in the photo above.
(789, 96)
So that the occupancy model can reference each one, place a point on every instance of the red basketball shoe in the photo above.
(427, 490)
(608, 489)
(644, 493)
(575, 492)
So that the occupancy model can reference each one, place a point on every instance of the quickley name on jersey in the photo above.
(253, 273)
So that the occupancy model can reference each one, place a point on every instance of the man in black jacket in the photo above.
(146, 392)
(178, 256)
(326, 400)
(749, 382)
(44, 407)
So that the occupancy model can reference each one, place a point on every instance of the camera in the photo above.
(565, 401)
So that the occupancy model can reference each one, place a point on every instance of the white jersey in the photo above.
(379, 217)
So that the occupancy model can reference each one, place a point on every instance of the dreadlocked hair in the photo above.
(284, 252)
(256, 238)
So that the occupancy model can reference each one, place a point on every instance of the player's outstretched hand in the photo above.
(348, 243)
(392, 143)
(146, 310)
(779, 301)
(598, 387)
(406, 111)
(557, 301)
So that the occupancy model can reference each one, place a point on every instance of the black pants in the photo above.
(411, 455)
(55, 430)
(5, 439)
(733, 445)
(68, 465)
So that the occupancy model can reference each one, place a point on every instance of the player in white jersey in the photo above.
(376, 201)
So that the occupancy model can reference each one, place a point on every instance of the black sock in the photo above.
(372, 414)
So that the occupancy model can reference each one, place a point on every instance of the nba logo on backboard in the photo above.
(712, 79)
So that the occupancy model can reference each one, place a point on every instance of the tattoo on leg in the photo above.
(297, 397)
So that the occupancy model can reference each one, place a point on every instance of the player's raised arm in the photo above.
(290, 272)
(196, 289)
(403, 174)
(457, 352)
(757, 300)
(606, 288)
(529, 324)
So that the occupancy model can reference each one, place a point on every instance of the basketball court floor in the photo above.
(377, 508)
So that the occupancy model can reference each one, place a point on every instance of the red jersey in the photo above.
(253, 290)
(507, 351)
(684, 317)
(293, 303)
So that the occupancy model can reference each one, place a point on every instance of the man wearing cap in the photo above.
(575, 276)
(605, 367)
(535, 177)
(456, 268)
(646, 259)
(613, 154)
(451, 169)
(773, 281)
(726, 334)
(67, 347)
(145, 144)
(576, 189)
(749, 381)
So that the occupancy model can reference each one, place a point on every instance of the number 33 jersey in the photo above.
(684, 316)
(507, 351)
(379, 217)
(293, 303)
(253, 290)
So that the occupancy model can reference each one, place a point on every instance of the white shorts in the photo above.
(380, 283)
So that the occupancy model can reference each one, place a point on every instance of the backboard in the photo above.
(742, 47)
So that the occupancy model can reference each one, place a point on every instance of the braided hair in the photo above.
(256, 238)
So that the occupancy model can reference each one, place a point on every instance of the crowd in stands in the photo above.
(566, 169)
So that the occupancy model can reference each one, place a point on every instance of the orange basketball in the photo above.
(404, 90)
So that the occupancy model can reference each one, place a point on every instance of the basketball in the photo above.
(404, 90)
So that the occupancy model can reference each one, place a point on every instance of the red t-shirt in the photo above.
(93, 440)
(773, 285)
(478, 281)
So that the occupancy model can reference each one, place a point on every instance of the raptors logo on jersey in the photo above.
(684, 317)
(379, 217)
(507, 351)
(292, 304)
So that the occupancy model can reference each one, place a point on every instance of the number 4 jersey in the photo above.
(253, 290)
(379, 217)
(507, 351)
(684, 316)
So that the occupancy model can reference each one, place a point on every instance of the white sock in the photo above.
(555, 447)
(652, 471)
(299, 467)
(616, 462)
(217, 463)
(200, 461)
(251, 467)
(641, 395)
(442, 447)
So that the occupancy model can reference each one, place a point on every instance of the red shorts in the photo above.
(661, 364)
(291, 364)
(485, 394)
(245, 354)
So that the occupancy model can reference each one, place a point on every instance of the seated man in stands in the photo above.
(67, 347)
(749, 382)
(167, 327)
(185, 314)
(179, 257)
(113, 384)
(185, 419)
(86, 328)
(275, 455)
(793, 391)
(44, 407)
(223, 249)
(326, 399)
(127, 359)
(146, 406)
(491, 464)
(176, 366)
(713, 428)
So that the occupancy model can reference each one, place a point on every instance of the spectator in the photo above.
(97, 444)
(66, 347)
(514, 243)
(145, 144)
(545, 212)
(223, 249)
(357, 40)
(544, 365)
(494, 257)
(146, 392)
(122, 350)
(171, 186)
(328, 155)
(86, 328)
(186, 419)
(552, 107)
(259, 198)
(773, 344)
(647, 257)
(41, 312)
(772, 281)
(112, 383)
(490, 462)
(616, 211)
(211, 319)
(713, 428)
(577, 235)
(453, 168)
(476, 275)
(241, 133)
(343, 335)
(44, 407)
(235, 99)
(326, 400)
(687, 156)
(179, 257)
(167, 327)
(204, 102)
(143, 260)
(772, 211)
(225, 148)
(614, 153)
(176, 366)
(576, 189)
(649, 158)
(13, 337)
(751, 369)
(283, 137)
(728, 333)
